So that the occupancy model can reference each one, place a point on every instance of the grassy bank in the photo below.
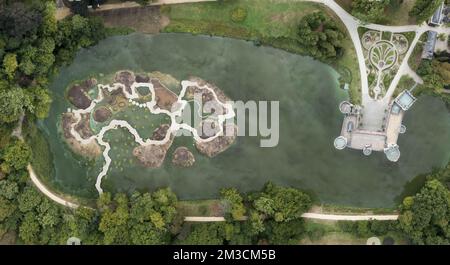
(396, 14)
(214, 207)
(319, 232)
(271, 23)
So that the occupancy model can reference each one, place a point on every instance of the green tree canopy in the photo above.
(234, 201)
(425, 216)
(320, 36)
(282, 204)
(15, 156)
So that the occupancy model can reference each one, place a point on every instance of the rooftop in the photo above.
(405, 100)
(438, 16)
(428, 49)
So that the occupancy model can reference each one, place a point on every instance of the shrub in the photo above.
(238, 14)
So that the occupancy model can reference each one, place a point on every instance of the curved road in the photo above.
(319, 216)
(52, 196)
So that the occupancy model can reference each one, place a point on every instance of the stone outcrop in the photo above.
(182, 157)
(153, 155)
(102, 114)
(126, 78)
(89, 150)
(78, 96)
(219, 144)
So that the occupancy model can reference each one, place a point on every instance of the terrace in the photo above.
(370, 134)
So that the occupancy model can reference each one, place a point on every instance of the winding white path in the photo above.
(317, 216)
(52, 196)
(152, 107)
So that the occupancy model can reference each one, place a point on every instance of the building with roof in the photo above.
(405, 100)
(430, 45)
(438, 16)
(355, 136)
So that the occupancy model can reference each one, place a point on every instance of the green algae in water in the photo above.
(309, 121)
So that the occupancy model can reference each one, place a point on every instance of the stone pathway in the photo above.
(151, 106)
(316, 216)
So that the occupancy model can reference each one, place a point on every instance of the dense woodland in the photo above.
(32, 47)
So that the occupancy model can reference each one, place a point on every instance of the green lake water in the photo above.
(309, 121)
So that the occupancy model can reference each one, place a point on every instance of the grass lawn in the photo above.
(321, 232)
(265, 19)
(272, 23)
(396, 14)
(405, 83)
(200, 208)
(338, 209)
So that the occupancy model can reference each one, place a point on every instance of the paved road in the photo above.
(340, 217)
(317, 216)
(52, 196)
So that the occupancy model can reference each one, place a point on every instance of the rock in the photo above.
(152, 155)
(183, 157)
(88, 84)
(102, 114)
(78, 97)
(126, 78)
(160, 133)
(219, 144)
(208, 129)
(68, 119)
(83, 127)
(89, 150)
(140, 78)
(165, 98)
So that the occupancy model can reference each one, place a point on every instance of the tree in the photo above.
(16, 156)
(48, 214)
(320, 36)
(7, 208)
(256, 223)
(282, 204)
(9, 189)
(285, 232)
(424, 217)
(13, 102)
(205, 234)
(264, 205)
(151, 215)
(234, 200)
(10, 65)
(29, 229)
(18, 23)
(114, 222)
(42, 101)
(29, 199)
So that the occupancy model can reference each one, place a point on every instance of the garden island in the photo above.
(95, 147)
